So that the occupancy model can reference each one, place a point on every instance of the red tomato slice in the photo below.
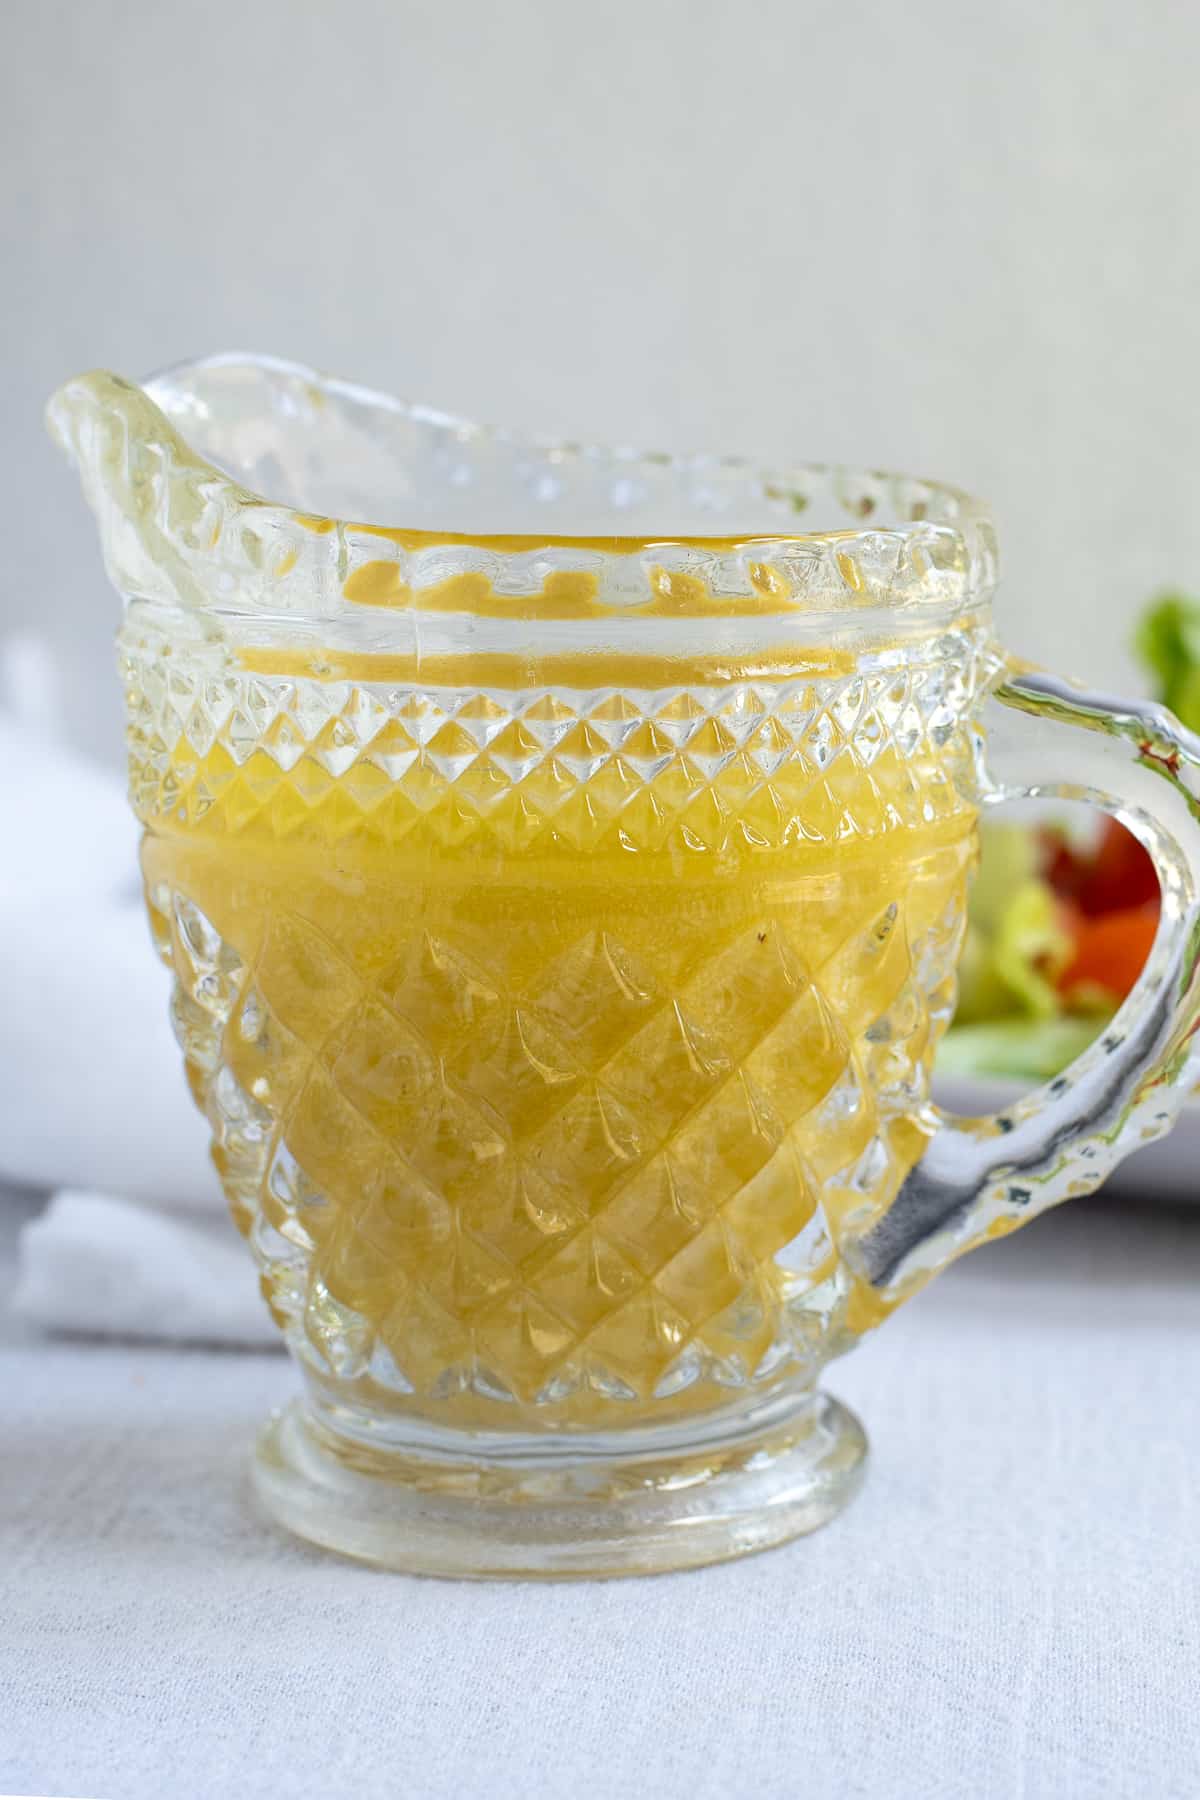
(1110, 951)
(1063, 864)
(1121, 875)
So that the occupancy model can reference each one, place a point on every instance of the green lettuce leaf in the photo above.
(1015, 942)
(1038, 1048)
(1168, 643)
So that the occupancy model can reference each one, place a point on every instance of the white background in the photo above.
(954, 238)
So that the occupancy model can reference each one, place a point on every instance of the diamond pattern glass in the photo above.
(559, 1042)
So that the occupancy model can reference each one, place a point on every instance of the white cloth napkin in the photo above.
(93, 1103)
(97, 1265)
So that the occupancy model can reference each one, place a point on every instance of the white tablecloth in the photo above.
(1011, 1608)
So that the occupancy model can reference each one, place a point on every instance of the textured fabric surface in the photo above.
(1010, 1609)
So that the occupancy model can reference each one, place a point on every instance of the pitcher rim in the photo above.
(222, 530)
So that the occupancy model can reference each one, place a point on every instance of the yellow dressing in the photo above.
(561, 1066)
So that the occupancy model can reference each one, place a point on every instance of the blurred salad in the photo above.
(1058, 929)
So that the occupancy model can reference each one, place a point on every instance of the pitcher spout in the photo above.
(157, 505)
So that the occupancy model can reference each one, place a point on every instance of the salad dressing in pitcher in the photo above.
(563, 890)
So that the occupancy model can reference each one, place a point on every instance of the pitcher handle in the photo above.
(980, 1178)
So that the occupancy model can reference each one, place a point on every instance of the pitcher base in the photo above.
(566, 1511)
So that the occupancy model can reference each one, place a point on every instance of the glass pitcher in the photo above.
(563, 891)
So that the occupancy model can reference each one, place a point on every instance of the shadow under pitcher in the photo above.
(563, 892)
